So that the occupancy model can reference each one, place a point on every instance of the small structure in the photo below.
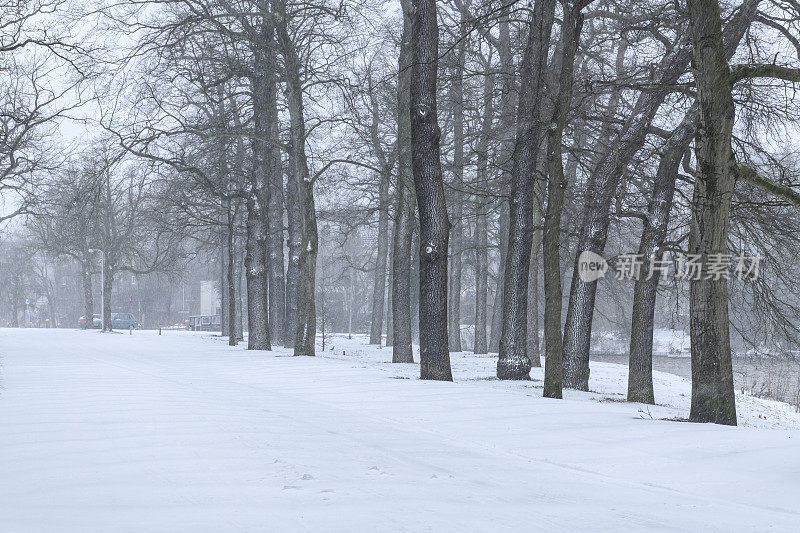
(205, 323)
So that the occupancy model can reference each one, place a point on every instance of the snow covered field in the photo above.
(179, 432)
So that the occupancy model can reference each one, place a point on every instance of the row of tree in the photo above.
(475, 145)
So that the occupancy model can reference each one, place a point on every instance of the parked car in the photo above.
(123, 321)
(97, 322)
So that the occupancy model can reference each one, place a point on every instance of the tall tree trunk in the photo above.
(481, 240)
(415, 283)
(712, 374)
(266, 165)
(108, 286)
(480, 345)
(457, 230)
(513, 361)
(533, 303)
(256, 273)
(223, 276)
(389, 321)
(556, 185)
(231, 279)
(456, 269)
(434, 225)
(503, 223)
(88, 295)
(238, 326)
(379, 277)
(402, 351)
(295, 243)
(306, 327)
(275, 256)
(507, 111)
(603, 183)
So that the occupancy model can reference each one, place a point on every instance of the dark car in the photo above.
(123, 321)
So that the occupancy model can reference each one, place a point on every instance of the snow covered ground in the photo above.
(179, 432)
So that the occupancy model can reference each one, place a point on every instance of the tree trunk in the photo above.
(513, 361)
(457, 230)
(238, 326)
(434, 225)
(556, 185)
(108, 286)
(223, 276)
(480, 345)
(503, 223)
(654, 231)
(415, 283)
(456, 269)
(256, 272)
(231, 281)
(712, 374)
(507, 112)
(306, 327)
(481, 223)
(379, 278)
(533, 304)
(294, 244)
(275, 257)
(88, 296)
(389, 321)
(306, 308)
(267, 194)
(402, 351)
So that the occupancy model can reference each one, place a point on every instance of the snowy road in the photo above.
(182, 433)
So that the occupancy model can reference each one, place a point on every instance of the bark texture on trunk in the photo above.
(433, 222)
(402, 351)
(255, 271)
(513, 361)
(712, 374)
